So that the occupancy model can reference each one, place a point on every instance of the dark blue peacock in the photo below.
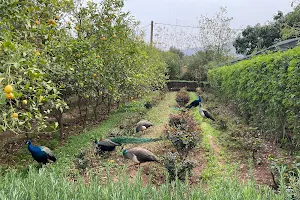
(40, 153)
(194, 103)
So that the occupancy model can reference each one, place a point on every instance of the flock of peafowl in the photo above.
(138, 155)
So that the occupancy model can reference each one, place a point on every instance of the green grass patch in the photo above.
(47, 184)
(160, 113)
(213, 168)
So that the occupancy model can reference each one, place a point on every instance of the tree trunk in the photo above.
(79, 105)
(59, 119)
(85, 117)
(108, 105)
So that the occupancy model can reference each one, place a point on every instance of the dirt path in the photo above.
(216, 149)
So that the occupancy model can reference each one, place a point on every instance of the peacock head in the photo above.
(28, 142)
(199, 98)
(95, 141)
(124, 150)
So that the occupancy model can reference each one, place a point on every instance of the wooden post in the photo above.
(151, 34)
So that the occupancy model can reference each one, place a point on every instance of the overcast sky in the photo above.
(185, 12)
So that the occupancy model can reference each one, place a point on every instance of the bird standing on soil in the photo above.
(105, 145)
(204, 113)
(194, 103)
(139, 155)
(142, 125)
(40, 153)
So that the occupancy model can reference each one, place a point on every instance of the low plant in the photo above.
(81, 162)
(176, 167)
(183, 132)
(182, 97)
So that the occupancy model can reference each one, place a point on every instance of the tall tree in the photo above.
(291, 23)
(215, 33)
(256, 38)
(263, 36)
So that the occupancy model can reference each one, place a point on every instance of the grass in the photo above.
(214, 167)
(160, 113)
(47, 184)
(54, 181)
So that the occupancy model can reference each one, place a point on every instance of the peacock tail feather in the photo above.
(128, 140)
(176, 108)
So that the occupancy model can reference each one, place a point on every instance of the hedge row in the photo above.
(266, 90)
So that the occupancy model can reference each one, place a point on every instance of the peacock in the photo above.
(105, 145)
(40, 153)
(142, 125)
(111, 143)
(204, 113)
(139, 155)
(194, 103)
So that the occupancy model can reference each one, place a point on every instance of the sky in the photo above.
(185, 12)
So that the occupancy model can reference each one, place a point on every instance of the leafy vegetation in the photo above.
(263, 36)
(51, 51)
(183, 132)
(266, 91)
(46, 184)
(182, 97)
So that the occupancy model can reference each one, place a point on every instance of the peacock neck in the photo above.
(125, 152)
(32, 148)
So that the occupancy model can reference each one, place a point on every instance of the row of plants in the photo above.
(52, 52)
(184, 133)
(266, 91)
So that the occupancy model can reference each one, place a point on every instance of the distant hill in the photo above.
(192, 51)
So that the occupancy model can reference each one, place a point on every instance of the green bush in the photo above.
(183, 132)
(266, 89)
(182, 97)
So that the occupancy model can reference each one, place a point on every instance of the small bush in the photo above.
(249, 138)
(176, 167)
(81, 162)
(182, 97)
(183, 132)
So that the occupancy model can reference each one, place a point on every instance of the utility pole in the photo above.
(151, 34)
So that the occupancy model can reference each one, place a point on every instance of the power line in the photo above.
(145, 26)
(185, 26)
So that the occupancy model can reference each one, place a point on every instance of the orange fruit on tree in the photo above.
(37, 22)
(94, 75)
(10, 96)
(103, 38)
(15, 115)
(97, 56)
(8, 89)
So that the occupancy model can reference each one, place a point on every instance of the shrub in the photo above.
(176, 167)
(81, 162)
(182, 97)
(183, 132)
(266, 89)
